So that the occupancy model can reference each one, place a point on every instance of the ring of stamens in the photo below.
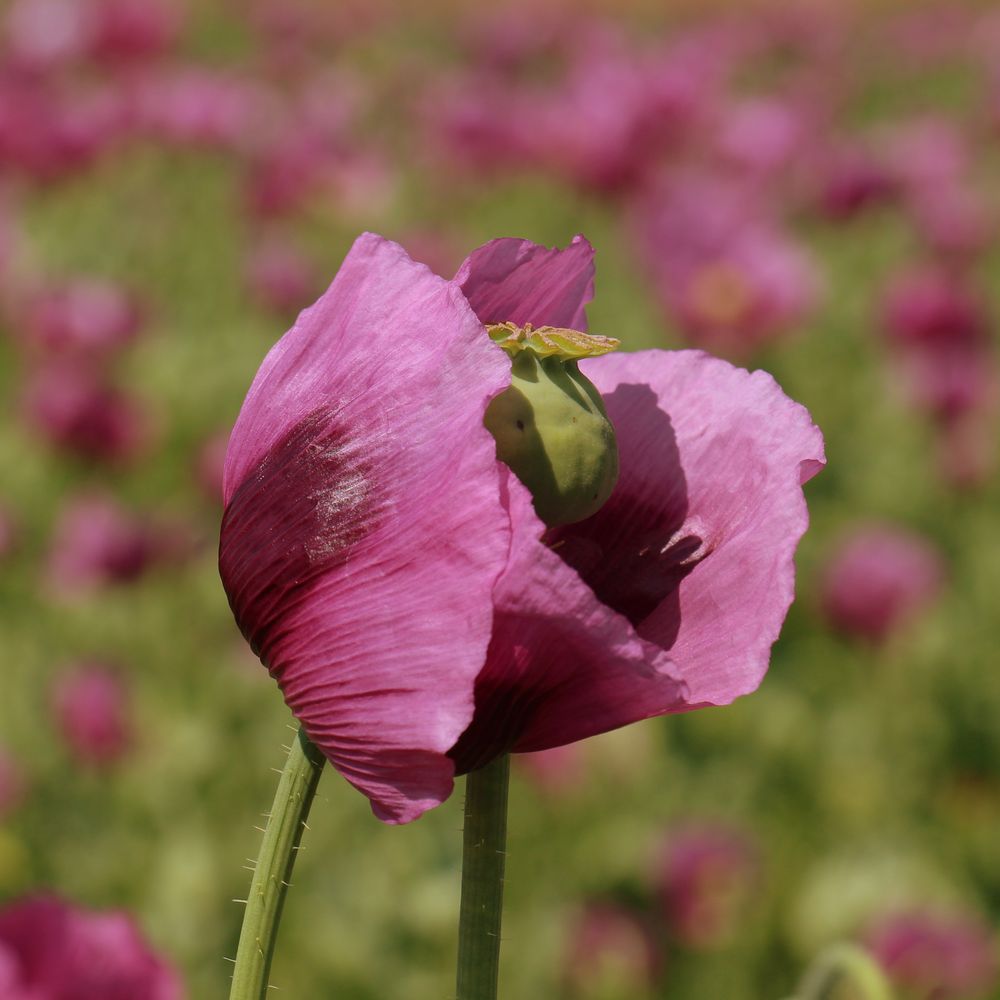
(550, 341)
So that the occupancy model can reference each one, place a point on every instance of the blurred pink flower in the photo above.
(851, 178)
(92, 712)
(505, 38)
(953, 219)
(728, 277)
(194, 105)
(706, 877)
(51, 950)
(763, 135)
(619, 108)
(475, 122)
(611, 951)
(354, 487)
(304, 149)
(133, 30)
(47, 132)
(280, 276)
(599, 128)
(283, 177)
(938, 329)
(932, 162)
(292, 36)
(96, 542)
(880, 578)
(936, 956)
(79, 412)
(44, 34)
(12, 787)
(928, 151)
(85, 317)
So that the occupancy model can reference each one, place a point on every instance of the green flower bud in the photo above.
(550, 426)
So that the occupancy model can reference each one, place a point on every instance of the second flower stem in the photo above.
(483, 857)
(296, 790)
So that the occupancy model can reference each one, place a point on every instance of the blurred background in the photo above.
(808, 189)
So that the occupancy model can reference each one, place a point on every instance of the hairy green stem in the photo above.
(273, 870)
(844, 972)
(483, 856)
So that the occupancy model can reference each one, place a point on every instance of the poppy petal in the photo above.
(696, 547)
(517, 281)
(364, 528)
(670, 597)
(562, 666)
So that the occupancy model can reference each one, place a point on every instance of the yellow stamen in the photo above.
(550, 341)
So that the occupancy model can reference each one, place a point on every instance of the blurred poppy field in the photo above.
(809, 189)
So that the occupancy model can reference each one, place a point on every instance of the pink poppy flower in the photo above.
(97, 542)
(194, 106)
(618, 108)
(49, 134)
(880, 578)
(706, 877)
(932, 162)
(85, 318)
(45, 34)
(938, 329)
(611, 952)
(731, 279)
(133, 30)
(927, 152)
(92, 712)
(474, 121)
(954, 219)
(395, 578)
(599, 128)
(283, 177)
(936, 956)
(52, 950)
(507, 38)
(764, 135)
(79, 412)
(850, 179)
(303, 148)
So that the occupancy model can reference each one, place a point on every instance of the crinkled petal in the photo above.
(517, 281)
(696, 544)
(670, 597)
(364, 529)
(562, 666)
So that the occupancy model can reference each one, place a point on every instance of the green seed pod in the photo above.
(550, 426)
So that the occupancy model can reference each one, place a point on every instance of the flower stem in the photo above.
(296, 790)
(483, 856)
(844, 970)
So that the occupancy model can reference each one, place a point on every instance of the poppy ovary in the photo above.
(550, 425)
